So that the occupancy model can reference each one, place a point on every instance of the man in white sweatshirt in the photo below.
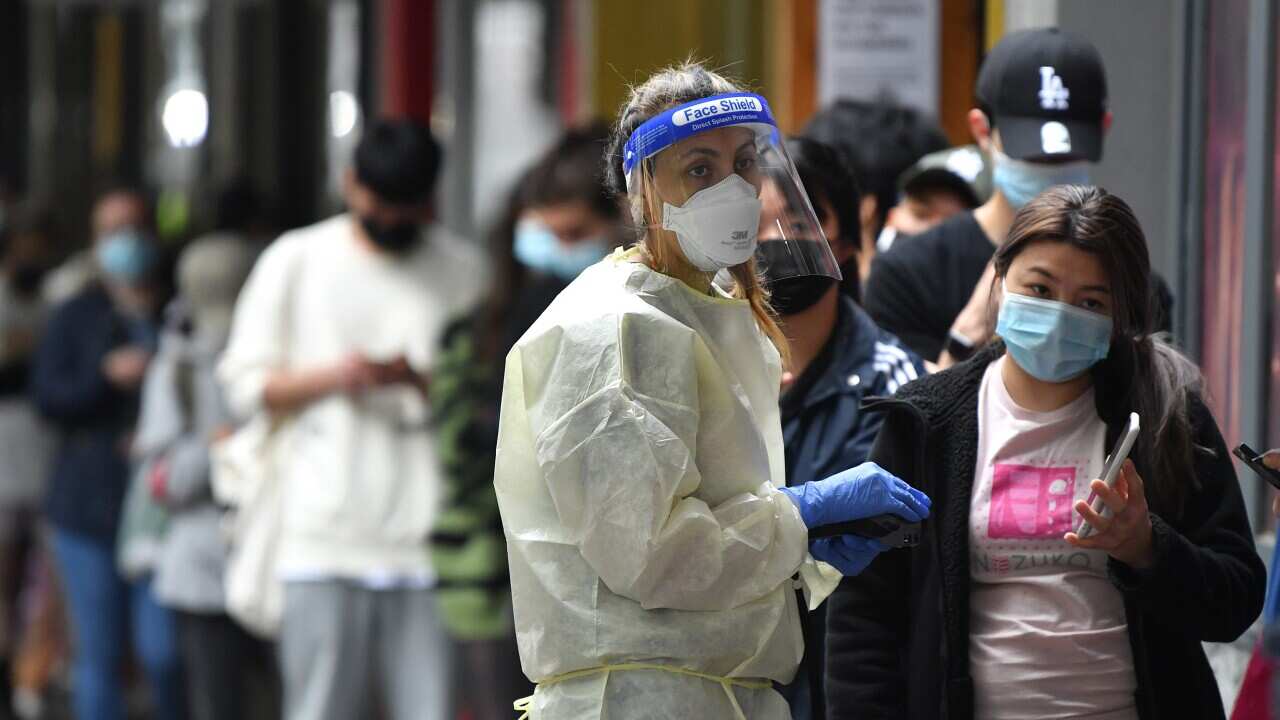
(336, 332)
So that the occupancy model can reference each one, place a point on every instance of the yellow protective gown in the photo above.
(638, 459)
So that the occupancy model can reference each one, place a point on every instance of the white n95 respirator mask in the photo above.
(717, 226)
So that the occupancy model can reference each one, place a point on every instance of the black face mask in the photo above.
(793, 296)
(398, 238)
(26, 279)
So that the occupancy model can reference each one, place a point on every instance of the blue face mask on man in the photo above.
(1054, 342)
(537, 248)
(1020, 181)
(126, 256)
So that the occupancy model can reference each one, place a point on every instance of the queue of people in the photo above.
(623, 465)
(662, 508)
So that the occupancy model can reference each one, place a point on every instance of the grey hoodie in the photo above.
(182, 406)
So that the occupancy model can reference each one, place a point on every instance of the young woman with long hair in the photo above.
(1004, 611)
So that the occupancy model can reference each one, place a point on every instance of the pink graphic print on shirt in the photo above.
(1031, 502)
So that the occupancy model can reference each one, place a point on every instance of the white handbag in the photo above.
(246, 477)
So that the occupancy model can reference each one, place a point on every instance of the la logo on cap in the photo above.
(1053, 94)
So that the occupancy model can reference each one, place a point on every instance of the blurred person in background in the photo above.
(940, 185)
(86, 380)
(228, 672)
(121, 207)
(239, 209)
(43, 649)
(558, 221)
(26, 443)
(881, 140)
(337, 332)
(839, 358)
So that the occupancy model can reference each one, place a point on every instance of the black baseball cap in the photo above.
(961, 171)
(1046, 91)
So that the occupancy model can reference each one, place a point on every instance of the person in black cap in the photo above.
(940, 185)
(1041, 115)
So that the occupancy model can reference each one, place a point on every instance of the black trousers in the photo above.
(230, 673)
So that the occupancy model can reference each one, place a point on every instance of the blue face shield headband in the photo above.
(682, 121)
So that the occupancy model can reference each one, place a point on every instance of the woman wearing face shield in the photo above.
(640, 465)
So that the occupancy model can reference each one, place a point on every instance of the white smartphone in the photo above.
(1111, 471)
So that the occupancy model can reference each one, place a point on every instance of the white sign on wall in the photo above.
(874, 49)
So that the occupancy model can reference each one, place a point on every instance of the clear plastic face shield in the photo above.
(716, 174)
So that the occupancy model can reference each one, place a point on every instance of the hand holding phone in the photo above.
(1111, 471)
(1254, 460)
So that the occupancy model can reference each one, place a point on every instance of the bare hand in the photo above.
(1126, 535)
(973, 321)
(1271, 459)
(788, 379)
(399, 372)
(125, 367)
(220, 433)
(19, 342)
(396, 372)
(356, 374)
(158, 479)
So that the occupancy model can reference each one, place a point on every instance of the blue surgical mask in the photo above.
(537, 248)
(126, 256)
(1052, 341)
(1020, 181)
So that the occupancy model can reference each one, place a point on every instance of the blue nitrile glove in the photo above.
(859, 492)
(849, 554)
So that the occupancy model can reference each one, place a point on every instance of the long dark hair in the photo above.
(1142, 372)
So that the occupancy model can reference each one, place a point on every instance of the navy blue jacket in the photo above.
(825, 431)
(94, 419)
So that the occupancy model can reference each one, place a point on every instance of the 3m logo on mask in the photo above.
(1053, 94)
(740, 235)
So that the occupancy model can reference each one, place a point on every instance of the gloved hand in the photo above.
(849, 554)
(860, 492)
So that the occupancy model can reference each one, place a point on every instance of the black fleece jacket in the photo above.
(898, 634)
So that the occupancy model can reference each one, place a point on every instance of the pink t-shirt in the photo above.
(1048, 633)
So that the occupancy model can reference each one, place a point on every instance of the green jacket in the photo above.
(467, 544)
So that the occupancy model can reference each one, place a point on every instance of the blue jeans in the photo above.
(103, 608)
